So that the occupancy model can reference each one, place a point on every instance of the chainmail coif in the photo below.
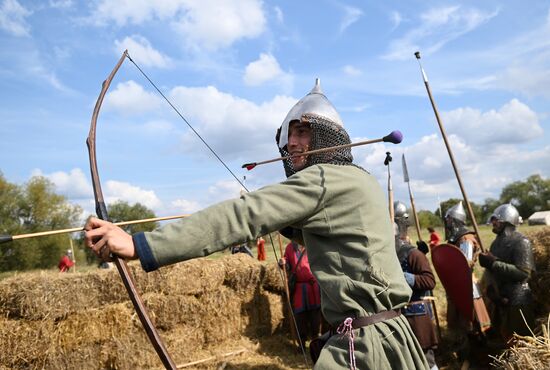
(324, 134)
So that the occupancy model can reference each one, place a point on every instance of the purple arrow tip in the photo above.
(394, 137)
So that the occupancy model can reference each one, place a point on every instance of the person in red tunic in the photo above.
(66, 262)
(304, 292)
(435, 239)
(260, 244)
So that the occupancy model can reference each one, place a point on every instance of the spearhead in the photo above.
(405, 171)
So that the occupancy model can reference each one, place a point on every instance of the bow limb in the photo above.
(101, 211)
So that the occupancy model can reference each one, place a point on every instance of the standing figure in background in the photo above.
(418, 274)
(66, 262)
(509, 265)
(458, 235)
(435, 239)
(305, 295)
(260, 244)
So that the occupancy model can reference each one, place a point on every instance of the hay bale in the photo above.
(58, 321)
(540, 280)
(530, 352)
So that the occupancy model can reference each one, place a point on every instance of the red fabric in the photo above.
(65, 264)
(261, 249)
(435, 239)
(307, 295)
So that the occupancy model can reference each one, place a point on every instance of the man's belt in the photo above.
(373, 319)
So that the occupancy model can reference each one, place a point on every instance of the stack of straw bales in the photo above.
(533, 352)
(86, 321)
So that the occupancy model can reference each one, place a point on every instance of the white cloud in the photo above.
(279, 14)
(123, 12)
(266, 68)
(131, 98)
(514, 122)
(236, 126)
(396, 19)
(206, 24)
(12, 18)
(351, 70)
(351, 15)
(483, 172)
(142, 52)
(116, 190)
(61, 3)
(212, 24)
(530, 81)
(73, 185)
(185, 206)
(437, 27)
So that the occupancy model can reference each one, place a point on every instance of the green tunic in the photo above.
(343, 215)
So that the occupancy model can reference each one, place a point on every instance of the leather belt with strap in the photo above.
(373, 319)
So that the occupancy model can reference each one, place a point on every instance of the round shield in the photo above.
(454, 273)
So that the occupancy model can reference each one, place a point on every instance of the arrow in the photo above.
(9, 238)
(394, 137)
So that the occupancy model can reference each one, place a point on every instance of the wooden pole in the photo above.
(448, 146)
(293, 324)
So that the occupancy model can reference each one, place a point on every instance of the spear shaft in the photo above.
(447, 145)
(408, 181)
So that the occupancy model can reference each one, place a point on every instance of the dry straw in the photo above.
(202, 308)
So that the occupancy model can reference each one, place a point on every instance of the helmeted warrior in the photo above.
(509, 265)
(401, 219)
(334, 208)
(418, 274)
(327, 130)
(460, 236)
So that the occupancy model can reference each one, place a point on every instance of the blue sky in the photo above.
(235, 67)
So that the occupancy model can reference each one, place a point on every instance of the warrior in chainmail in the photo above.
(469, 332)
(418, 274)
(458, 235)
(508, 266)
(334, 208)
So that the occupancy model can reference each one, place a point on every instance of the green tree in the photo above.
(428, 218)
(122, 211)
(528, 196)
(36, 207)
(488, 207)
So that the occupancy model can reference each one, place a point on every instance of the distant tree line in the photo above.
(528, 196)
(35, 207)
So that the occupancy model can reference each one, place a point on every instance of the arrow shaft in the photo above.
(79, 229)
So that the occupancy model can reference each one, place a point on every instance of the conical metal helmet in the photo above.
(457, 212)
(315, 102)
(506, 213)
(399, 209)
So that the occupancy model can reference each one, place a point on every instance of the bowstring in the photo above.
(232, 174)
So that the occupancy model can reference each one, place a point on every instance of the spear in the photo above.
(407, 180)
(390, 187)
(394, 137)
(9, 238)
(444, 135)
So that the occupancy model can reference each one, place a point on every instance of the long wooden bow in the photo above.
(101, 211)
